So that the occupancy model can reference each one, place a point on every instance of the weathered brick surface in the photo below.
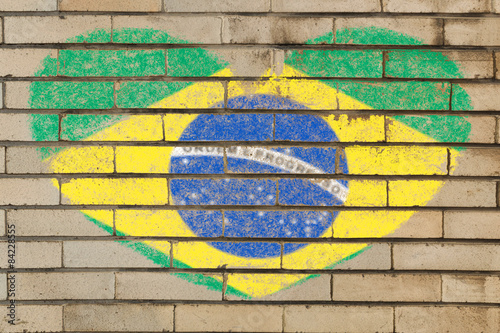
(242, 318)
(272, 30)
(475, 257)
(484, 97)
(110, 5)
(132, 211)
(23, 62)
(161, 286)
(387, 288)
(314, 289)
(13, 127)
(471, 31)
(103, 254)
(118, 317)
(435, 6)
(67, 285)
(426, 29)
(446, 319)
(478, 162)
(32, 318)
(453, 193)
(28, 5)
(190, 6)
(35, 254)
(472, 64)
(51, 29)
(195, 29)
(328, 318)
(297, 6)
(54, 222)
(463, 224)
(26, 191)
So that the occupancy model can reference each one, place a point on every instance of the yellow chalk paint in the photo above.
(403, 160)
(83, 160)
(122, 191)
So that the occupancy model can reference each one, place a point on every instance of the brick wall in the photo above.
(258, 166)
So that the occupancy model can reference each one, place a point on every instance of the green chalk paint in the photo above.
(420, 64)
(71, 95)
(374, 36)
(88, 63)
(337, 63)
(76, 127)
(186, 62)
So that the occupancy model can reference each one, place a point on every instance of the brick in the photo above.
(136, 128)
(273, 30)
(247, 62)
(418, 224)
(436, 6)
(67, 285)
(331, 6)
(332, 318)
(33, 318)
(397, 160)
(471, 288)
(374, 193)
(24, 62)
(484, 97)
(71, 160)
(161, 286)
(15, 127)
(2, 159)
(28, 5)
(35, 254)
(91, 95)
(472, 31)
(110, 6)
(422, 224)
(426, 29)
(477, 162)
(373, 257)
(241, 318)
(450, 193)
(386, 288)
(475, 225)
(427, 64)
(19, 191)
(56, 222)
(52, 29)
(118, 317)
(205, 6)
(120, 191)
(195, 29)
(474, 257)
(446, 319)
(104, 254)
(263, 190)
(182, 251)
(317, 288)
(482, 129)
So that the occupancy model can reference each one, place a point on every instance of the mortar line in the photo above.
(382, 6)
(283, 321)
(173, 318)
(250, 302)
(331, 287)
(224, 286)
(443, 31)
(441, 287)
(393, 313)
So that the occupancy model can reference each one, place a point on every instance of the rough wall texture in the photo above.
(257, 166)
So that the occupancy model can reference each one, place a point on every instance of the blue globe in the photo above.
(260, 192)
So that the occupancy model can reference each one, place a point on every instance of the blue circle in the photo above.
(251, 191)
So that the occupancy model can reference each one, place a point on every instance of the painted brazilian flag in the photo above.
(312, 80)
